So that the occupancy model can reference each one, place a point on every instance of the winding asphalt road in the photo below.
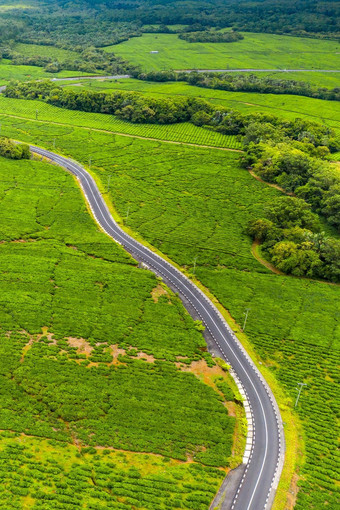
(264, 453)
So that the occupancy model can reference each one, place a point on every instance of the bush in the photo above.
(12, 150)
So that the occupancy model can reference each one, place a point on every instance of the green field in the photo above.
(10, 72)
(51, 475)
(286, 106)
(94, 358)
(9, 6)
(318, 79)
(195, 204)
(179, 133)
(255, 51)
(30, 50)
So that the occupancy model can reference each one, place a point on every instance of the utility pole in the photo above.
(301, 384)
(194, 270)
(54, 143)
(36, 114)
(90, 163)
(127, 214)
(245, 319)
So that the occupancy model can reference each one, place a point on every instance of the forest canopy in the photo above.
(106, 22)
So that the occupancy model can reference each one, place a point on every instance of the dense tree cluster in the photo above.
(292, 239)
(102, 23)
(12, 150)
(299, 168)
(71, 27)
(295, 158)
(296, 17)
(211, 36)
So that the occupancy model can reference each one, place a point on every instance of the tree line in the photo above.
(234, 82)
(263, 85)
(211, 36)
(130, 106)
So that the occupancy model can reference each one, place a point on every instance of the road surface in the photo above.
(263, 458)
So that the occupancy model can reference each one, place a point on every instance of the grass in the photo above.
(10, 72)
(284, 106)
(183, 132)
(92, 359)
(255, 51)
(190, 202)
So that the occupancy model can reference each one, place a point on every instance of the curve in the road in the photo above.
(264, 454)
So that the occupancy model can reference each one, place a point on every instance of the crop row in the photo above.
(64, 479)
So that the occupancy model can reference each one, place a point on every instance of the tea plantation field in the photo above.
(95, 357)
(255, 51)
(317, 78)
(194, 205)
(183, 132)
(286, 106)
(30, 50)
(49, 474)
(10, 72)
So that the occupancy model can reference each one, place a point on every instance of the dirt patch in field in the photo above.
(35, 338)
(231, 406)
(203, 372)
(81, 345)
(157, 292)
(147, 357)
(116, 351)
(27, 348)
